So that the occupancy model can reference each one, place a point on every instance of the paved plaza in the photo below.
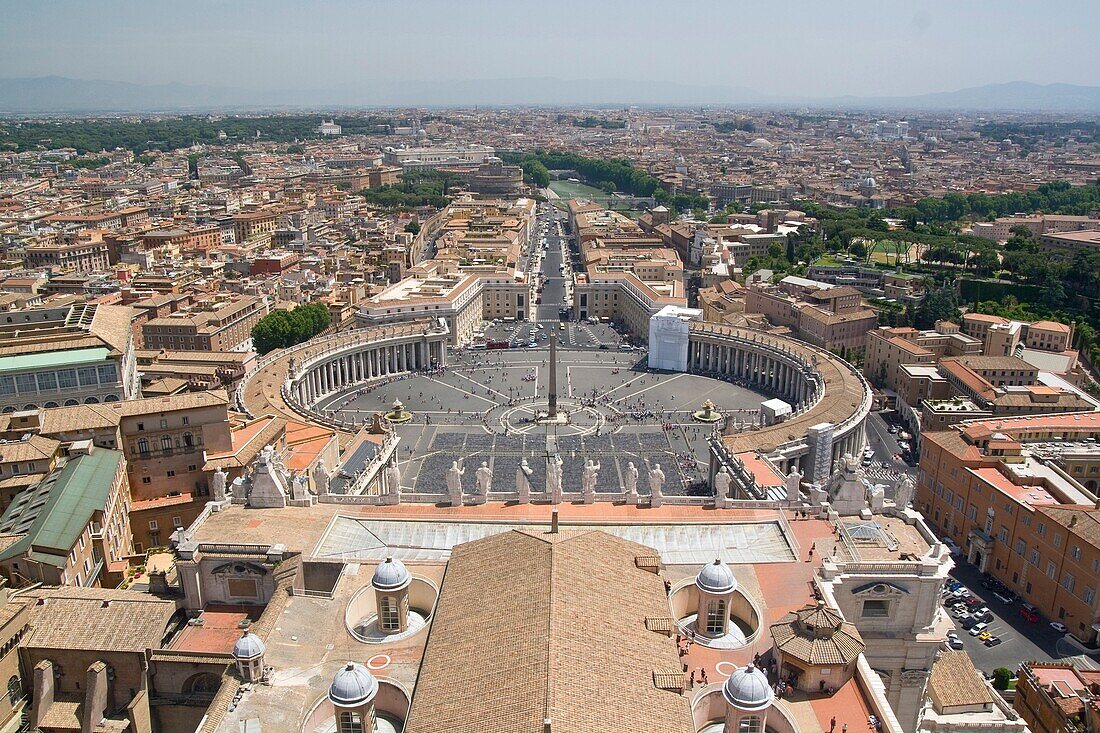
(484, 407)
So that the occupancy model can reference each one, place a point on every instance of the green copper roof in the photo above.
(26, 362)
(54, 513)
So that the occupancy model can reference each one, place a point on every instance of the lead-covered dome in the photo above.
(352, 686)
(747, 689)
(391, 575)
(248, 646)
(716, 578)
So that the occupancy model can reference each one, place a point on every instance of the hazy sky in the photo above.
(812, 48)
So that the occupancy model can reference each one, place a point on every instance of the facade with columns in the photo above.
(359, 362)
(829, 399)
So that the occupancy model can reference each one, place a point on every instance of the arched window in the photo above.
(71, 403)
(30, 407)
(166, 443)
(91, 400)
(716, 616)
(387, 614)
(350, 721)
(143, 445)
(51, 405)
(15, 690)
(202, 684)
(188, 440)
(7, 409)
(111, 398)
(750, 724)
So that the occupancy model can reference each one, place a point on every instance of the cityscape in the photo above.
(401, 386)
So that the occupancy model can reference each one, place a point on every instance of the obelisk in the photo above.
(552, 394)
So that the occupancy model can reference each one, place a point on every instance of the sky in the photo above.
(817, 48)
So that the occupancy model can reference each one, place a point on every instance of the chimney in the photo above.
(553, 530)
(546, 721)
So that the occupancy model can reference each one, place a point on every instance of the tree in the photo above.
(939, 304)
(413, 228)
(281, 329)
(1001, 678)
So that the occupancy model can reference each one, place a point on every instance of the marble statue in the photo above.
(217, 484)
(656, 483)
(299, 488)
(553, 478)
(588, 480)
(794, 480)
(903, 494)
(267, 455)
(393, 483)
(454, 483)
(523, 481)
(484, 476)
(721, 488)
(321, 478)
(393, 478)
(630, 481)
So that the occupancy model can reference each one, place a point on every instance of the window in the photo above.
(1089, 595)
(1033, 558)
(143, 445)
(153, 524)
(350, 722)
(171, 474)
(1069, 582)
(188, 440)
(1003, 534)
(1075, 553)
(146, 480)
(47, 382)
(1020, 547)
(177, 522)
(387, 613)
(1057, 539)
(107, 374)
(15, 690)
(87, 377)
(716, 617)
(26, 383)
(750, 724)
(1052, 570)
(1041, 529)
(876, 609)
(7, 385)
(163, 424)
(166, 443)
(186, 420)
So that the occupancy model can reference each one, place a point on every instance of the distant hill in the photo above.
(55, 94)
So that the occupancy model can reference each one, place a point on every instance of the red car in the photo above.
(1029, 615)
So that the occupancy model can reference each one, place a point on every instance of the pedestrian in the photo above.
(832, 724)
(844, 728)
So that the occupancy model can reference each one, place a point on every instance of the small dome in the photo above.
(869, 182)
(716, 578)
(248, 646)
(352, 686)
(748, 689)
(391, 575)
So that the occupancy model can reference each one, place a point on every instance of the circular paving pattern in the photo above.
(486, 407)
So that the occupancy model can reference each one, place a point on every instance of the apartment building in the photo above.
(624, 298)
(832, 317)
(79, 252)
(1056, 697)
(443, 156)
(1019, 495)
(73, 527)
(253, 225)
(221, 324)
(1000, 230)
(887, 349)
(1068, 243)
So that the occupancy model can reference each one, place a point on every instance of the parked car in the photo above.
(1058, 626)
(993, 641)
(969, 623)
(978, 628)
(1029, 615)
(985, 636)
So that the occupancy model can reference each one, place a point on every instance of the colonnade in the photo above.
(335, 371)
(758, 367)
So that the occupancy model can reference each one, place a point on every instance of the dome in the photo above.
(248, 646)
(391, 575)
(716, 578)
(352, 686)
(760, 142)
(748, 689)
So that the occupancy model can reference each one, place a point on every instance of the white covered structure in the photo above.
(668, 337)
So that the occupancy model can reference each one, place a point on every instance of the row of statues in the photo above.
(589, 478)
